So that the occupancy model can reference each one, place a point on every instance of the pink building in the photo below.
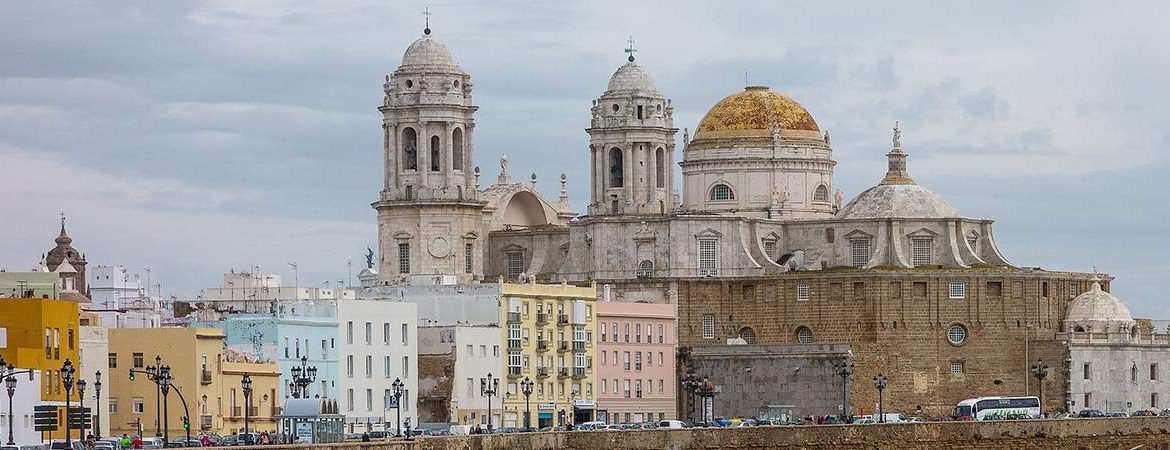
(635, 362)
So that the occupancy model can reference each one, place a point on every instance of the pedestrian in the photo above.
(124, 442)
(137, 442)
(206, 441)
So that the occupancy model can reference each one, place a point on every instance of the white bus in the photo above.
(991, 408)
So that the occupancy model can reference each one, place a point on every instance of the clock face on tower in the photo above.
(439, 247)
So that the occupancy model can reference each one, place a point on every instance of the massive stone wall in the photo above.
(1082, 434)
(896, 324)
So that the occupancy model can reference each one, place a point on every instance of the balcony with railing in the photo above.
(513, 317)
(237, 411)
(276, 411)
(562, 319)
(205, 422)
(563, 372)
(542, 372)
(541, 345)
(205, 376)
(563, 346)
(542, 318)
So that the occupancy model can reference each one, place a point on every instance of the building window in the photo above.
(385, 333)
(457, 149)
(369, 333)
(138, 361)
(348, 337)
(409, 149)
(721, 192)
(1073, 289)
(113, 360)
(660, 167)
(1085, 371)
(136, 405)
(435, 157)
(1153, 372)
(708, 326)
(349, 366)
(515, 264)
(957, 290)
(616, 168)
(660, 333)
(1088, 398)
(956, 334)
(113, 405)
(645, 268)
(748, 335)
(804, 335)
(403, 257)
(349, 399)
(957, 367)
(920, 252)
(707, 257)
(386, 367)
(860, 250)
(994, 289)
(468, 257)
(803, 292)
(405, 334)
(770, 248)
(821, 195)
(1154, 400)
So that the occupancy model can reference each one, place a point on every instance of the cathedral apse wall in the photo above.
(901, 323)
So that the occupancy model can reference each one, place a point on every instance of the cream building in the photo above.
(548, 341)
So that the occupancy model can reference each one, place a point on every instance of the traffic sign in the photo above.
(80, 417)
(45, 418)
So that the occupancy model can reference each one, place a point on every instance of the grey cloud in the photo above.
(983, 104)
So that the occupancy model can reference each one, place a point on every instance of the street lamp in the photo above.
(67, 372)
(1040, 371)
(880, 382)
(163, 379)
(489, 387)
(81, 405)
(397, 385)
(526, 389)
(302, 376)
(97, 398)
(247, 385)
(152, 373)
(844, 370)
(691, 384)
(706, 391)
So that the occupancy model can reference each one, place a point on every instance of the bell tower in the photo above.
(631, 146)
(429, 209)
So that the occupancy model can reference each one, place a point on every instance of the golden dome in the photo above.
(756, 112)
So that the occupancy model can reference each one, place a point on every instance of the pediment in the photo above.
(858, 234)
(402, 235)
(709, 233)
(771, 237)
(922, 232)
(512, 247)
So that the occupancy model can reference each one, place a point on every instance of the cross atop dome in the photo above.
(427, 20)
(631, 50)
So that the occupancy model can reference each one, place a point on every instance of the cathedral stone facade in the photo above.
(758, 249)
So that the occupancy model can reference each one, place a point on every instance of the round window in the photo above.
(409, 84)
(957, 334)
(804, 335)
(659, 107)
(456, 83)
(615, 107)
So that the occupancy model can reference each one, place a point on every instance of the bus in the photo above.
(992, 408)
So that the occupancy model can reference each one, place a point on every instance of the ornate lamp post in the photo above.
(691, 384)
(246, 383)
(10, 383)
(164, 379)
(526, 389)
(81, 405)
(97, 399)
(489, 387)
(302, 376)
(880, 382)
(844, 370)
(67, 372)
(397, 385)
(706, 392)
(152, 374)
(1040, 371)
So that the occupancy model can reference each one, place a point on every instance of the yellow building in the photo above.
(42, 334)
(207, 377)
(548, 334)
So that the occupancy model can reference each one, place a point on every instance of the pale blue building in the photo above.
(295, 329)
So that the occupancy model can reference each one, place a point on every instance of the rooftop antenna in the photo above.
(631, 50)
(427, 20)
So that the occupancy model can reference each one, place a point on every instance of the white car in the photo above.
(671, 424)
(864, 420)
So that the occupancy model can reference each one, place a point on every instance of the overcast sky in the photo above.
(198, 137)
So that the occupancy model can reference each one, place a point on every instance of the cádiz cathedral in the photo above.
(762, 256)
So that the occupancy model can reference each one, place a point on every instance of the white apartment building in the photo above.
(475, 350)
(377, 344)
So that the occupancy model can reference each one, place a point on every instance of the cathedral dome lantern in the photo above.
(1097, 311)
(897, 196)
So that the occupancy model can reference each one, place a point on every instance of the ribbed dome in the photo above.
(898, 201)
(631, 77)
(427, 52)
(1097, 306)
(755, 111)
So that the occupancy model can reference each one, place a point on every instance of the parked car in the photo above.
(864, 421)
(228, 441)
(671, 424)
(60, 445)
(1117, 414)
(9, 447)
(589, 426)
(1164, 412)
(1090, 413)
(104, 445)
(1143, 413)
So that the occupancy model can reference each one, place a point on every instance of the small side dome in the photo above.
(1096, 308)
(909, 201)
(631, 78)
(427, 52)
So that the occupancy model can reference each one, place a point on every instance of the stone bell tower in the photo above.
(429, 212)
(631, 146)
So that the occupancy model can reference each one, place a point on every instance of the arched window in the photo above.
(660, 166)
(721, 192)
(435, 154)
(409, 149)
(749, 335)
(804, 335)
(821, 194)
(457, 149)
(957, 334)
(645, 268)
(616, 168)
(1079, 329)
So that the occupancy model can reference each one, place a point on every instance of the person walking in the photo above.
(124, 442)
